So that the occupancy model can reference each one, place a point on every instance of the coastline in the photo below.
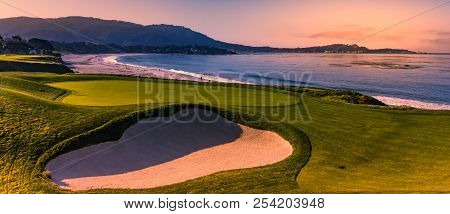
(393, 101)
(108, 64)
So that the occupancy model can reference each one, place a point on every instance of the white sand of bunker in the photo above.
(156, 152)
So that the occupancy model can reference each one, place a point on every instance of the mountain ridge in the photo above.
(99, 31)
(88, 29)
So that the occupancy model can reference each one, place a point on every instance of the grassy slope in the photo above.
(372, 150)
(32, 63)
(29, 126)
(380, 150)
(19, 85)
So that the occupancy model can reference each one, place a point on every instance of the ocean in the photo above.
(420, 80)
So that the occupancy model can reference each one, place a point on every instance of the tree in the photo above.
(17, 38)
(41, 45)
(2, 43)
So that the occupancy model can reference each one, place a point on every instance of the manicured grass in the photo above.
(128, 92)
(372, 150)
(20, 85)
(39, 59)
(347, 148)
(32, 63)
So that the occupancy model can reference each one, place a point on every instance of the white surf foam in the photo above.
(114, 60)
(392, 101)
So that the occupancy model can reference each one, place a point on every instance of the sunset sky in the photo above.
(281, 23)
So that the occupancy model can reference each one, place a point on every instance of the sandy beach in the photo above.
(108, 64)
(192, 144)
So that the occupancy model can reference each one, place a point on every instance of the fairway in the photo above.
(123, 92)
(38, 59)
(338, 147)
(33, 63)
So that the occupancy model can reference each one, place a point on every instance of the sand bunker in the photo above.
(162, 151)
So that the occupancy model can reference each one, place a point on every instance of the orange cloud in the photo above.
(344, 32)
(350, 35)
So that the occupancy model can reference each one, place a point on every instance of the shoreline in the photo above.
(108, 64)
(393, 101)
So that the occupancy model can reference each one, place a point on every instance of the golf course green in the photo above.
(128, 92)
(339, 147)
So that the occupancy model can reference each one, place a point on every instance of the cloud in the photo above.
(439, 33)
(389, 37)
(347, 32)
(439, 42)
(337, 35)
(356, 27)
(442, 33)
(353, 33)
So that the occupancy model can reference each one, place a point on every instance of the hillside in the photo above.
(83, 29)
(342, 48)
(96, 31)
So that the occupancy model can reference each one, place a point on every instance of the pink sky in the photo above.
(281, 23)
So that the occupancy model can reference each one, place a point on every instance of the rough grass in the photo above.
(29, 126)
(339, 96)
(30, 87)
(346, 148)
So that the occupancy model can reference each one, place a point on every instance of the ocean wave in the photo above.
(206, 77)
(115, 60)
(392, 101)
